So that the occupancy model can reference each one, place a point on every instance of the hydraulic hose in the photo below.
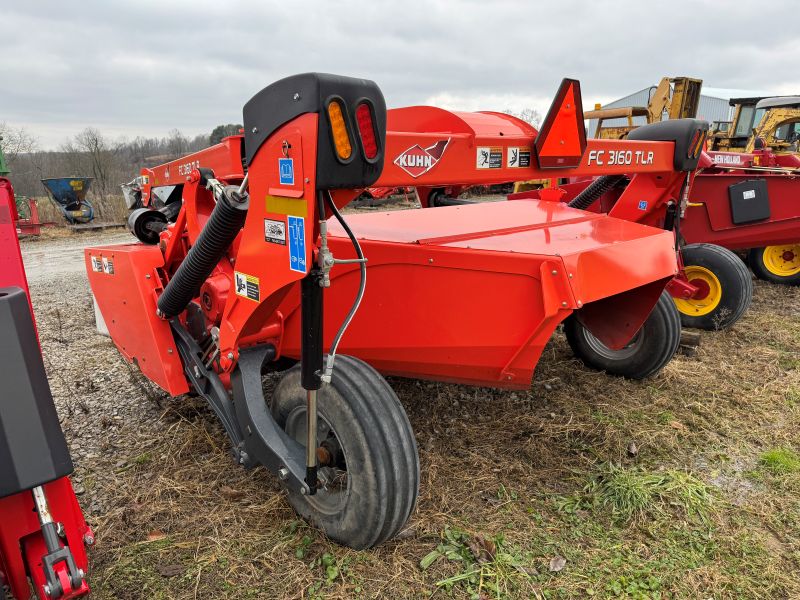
(595, 189)
(221, 229)
(361, 287)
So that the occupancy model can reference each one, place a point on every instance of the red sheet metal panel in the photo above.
(709, 218)
(124, 282)
(471, 294)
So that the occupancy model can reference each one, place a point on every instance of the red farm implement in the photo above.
(28, 223)
(713, 288)
(238, 254)
(737, 202)
(749, 201)
(42, 529)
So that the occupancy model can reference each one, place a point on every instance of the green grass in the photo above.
(780, 461)
(486, 567)
(634, 493)
(793, 396)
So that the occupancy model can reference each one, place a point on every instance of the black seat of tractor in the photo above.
(680, 131)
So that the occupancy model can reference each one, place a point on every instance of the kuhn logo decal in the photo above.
(417, 161)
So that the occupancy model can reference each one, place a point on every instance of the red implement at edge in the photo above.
(21, 543)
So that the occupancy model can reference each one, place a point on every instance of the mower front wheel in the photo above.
(368, 462)
(725, 284)
(777, 264)
(646, 354)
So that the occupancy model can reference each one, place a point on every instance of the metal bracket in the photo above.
(326, 260)
(56, 553)
(265, 441)
(255, 436)
(207, 383)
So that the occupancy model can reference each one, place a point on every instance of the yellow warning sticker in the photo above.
(286, 206)
(247, 286)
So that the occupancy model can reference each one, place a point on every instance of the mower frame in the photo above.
(221, 295)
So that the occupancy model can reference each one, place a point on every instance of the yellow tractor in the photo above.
(672, 98)
(760, 123)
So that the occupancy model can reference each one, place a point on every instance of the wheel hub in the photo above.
(708, 295)
(783, 261)
(334, 487)
(703, 289)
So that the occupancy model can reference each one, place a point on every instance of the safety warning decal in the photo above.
(275, 231)
(417, 160)
(518, 158)
(97, 264)
(108, 265)
(286, 170)
(489, 157)
(247, 286)
(297, 244)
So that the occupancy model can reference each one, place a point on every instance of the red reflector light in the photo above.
(366, 130)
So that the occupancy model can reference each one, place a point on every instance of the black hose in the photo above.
(361, 286)
(596, 189)
(221, 229)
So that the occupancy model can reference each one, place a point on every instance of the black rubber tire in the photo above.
(378, 443)
(755, 259)
(735, 280)
(651, 349)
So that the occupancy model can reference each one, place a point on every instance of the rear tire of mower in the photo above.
(755, 259)
(651, 349)
(377, 444)
(735, 282)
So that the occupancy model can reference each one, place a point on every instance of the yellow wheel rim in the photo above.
(783, 261)
(709, 292)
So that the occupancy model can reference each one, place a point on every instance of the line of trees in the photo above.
(111, 162)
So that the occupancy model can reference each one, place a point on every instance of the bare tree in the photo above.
(529, 115)
(177, 143)
(15, 141)
(91, 153)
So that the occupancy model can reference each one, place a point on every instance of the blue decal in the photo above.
(286, 169)
(297, 244)
(642, 204)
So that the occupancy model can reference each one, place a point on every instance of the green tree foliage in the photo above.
(221, 131)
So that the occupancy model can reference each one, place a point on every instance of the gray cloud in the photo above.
(146, 67)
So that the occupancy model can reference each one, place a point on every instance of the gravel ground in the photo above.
(50, 256)
(84, 366)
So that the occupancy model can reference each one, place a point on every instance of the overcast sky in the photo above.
(143, 67)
